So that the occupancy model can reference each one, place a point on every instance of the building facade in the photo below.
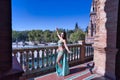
(104, 31)
(91, 30)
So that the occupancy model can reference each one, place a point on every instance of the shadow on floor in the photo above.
(89, 66)
(75, 70)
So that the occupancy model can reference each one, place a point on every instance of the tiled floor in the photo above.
(76, 73)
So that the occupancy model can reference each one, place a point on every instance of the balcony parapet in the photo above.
(41, 60)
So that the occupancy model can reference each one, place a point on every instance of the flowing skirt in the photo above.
(65, 67)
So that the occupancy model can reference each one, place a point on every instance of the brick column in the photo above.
(5, 36)
(117, 66)
(82, 50)
(105, 39)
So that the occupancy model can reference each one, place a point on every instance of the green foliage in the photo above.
(19, 36)
(14, 35)
(40, 36)
(47, 36)
(54, 37)
(35, 35)
(77, 35)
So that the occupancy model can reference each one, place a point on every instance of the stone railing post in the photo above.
(82, 52)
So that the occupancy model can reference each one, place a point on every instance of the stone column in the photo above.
(105, 39)
(5, 36)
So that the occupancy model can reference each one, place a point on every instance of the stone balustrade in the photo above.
(42, 60)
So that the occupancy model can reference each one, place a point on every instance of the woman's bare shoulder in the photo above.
(64, 41)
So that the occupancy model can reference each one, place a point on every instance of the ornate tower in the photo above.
(92, 24)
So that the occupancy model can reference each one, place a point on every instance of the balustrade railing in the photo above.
(41, 60)
(89, 50)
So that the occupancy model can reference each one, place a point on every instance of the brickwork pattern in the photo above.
(105, 39)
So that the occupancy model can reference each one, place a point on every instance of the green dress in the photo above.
(65, 67)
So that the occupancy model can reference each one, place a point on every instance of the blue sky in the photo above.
(49, 14)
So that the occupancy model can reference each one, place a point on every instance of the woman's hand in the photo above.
(70, 52)
(57, 50)
(56, 29)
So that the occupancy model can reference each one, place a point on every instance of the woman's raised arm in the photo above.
(58, 34)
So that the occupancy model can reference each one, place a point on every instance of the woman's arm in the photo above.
(66, 47)
(58, 34)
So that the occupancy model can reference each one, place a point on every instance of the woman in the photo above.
(62, 67)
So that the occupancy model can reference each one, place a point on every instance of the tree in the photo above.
(69, 32)
(77, 35)
(23, 35)
(47, 35)
(54, 37)
(19, 36)
(76, 27)
(14, 36)
(35, 35)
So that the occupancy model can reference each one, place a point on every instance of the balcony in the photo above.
(40, 61)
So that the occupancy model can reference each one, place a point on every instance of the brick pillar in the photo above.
(105, 39)
(5, 36)
(82, 50)
(117, 66)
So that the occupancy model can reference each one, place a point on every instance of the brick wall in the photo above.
(105, 39)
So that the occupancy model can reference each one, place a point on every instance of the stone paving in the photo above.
(80, 72)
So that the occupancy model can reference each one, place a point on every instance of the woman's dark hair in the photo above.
(64, 37)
